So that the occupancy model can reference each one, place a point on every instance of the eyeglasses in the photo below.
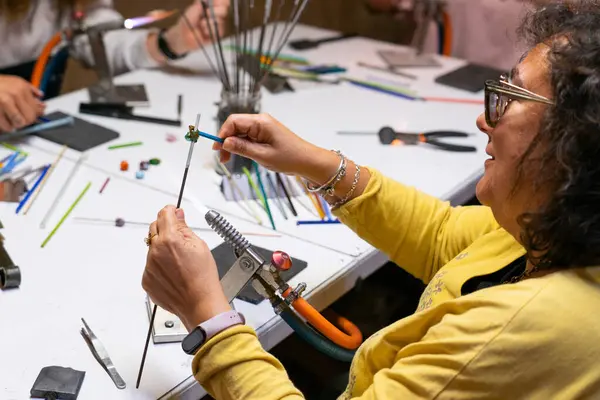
(499, 94)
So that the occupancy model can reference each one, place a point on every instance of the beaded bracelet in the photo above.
(345, 199)
(330, 184)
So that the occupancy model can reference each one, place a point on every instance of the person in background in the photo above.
(483, 31)
(27, 25)
(513, 286)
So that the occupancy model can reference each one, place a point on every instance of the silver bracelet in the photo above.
(351, 191)
(330, 191)
(327, 185)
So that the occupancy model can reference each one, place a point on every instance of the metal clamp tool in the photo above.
(105, 92)
(10, 274)
(106, 98)
(337, 340)
(251, 268)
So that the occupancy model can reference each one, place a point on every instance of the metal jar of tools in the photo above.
(245, 100)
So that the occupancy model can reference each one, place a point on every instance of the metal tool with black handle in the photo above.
(305, 44)
(389, 136)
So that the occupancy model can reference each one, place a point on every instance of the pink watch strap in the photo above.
(220, 322)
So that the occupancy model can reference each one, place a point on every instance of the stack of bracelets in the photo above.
(328, 189)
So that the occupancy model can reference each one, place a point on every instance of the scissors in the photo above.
(389, 136)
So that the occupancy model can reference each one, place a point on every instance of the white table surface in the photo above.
(93, 270)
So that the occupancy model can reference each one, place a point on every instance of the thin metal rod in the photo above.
(275, 25)
(236, 43)
(287, 22)
(261, 39)
(63, 190)
(185, 174)
(215, 36)
(153, 317)
(199, 43)
(253, 48)
(286, 36)
(188, 23)
(246, 22)
(265, 68)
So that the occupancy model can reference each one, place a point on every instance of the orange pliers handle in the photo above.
(347, 335)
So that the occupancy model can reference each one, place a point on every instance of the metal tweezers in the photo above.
(101, 355)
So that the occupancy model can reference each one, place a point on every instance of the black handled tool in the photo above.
(305, 44)
(122, 111)
(388, 136)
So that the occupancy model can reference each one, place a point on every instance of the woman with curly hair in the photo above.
(27, 25)
(513, 285)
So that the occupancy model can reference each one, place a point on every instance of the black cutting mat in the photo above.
(225, 258)
(80, 136)
(471, 77)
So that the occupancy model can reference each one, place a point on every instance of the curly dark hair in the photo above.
(565, 232)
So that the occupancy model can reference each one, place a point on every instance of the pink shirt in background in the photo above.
(484, 31)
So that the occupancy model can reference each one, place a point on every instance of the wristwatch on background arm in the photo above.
(206, 330)
(165, 49)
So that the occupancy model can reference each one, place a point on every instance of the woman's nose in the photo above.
(482, 125)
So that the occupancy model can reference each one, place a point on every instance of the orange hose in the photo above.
(42, 61)
(349, 337)
(447, 46)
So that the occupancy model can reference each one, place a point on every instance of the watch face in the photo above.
(192, 342)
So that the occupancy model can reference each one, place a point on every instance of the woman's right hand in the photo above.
(265, 140)
(20, 103)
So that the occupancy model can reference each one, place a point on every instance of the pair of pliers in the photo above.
(389, 136)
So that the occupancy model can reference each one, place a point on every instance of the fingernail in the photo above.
(179, 213)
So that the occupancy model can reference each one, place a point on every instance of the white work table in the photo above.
(94, 270)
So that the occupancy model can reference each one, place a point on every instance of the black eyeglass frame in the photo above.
(512, 92)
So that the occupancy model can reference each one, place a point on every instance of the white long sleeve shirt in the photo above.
(22, 41)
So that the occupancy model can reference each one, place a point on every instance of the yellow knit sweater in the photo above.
(536, 339)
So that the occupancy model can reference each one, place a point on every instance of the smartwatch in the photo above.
(206, 330)
(164, 48)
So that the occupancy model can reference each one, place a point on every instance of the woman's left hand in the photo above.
(181, 274)
(182, 40)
